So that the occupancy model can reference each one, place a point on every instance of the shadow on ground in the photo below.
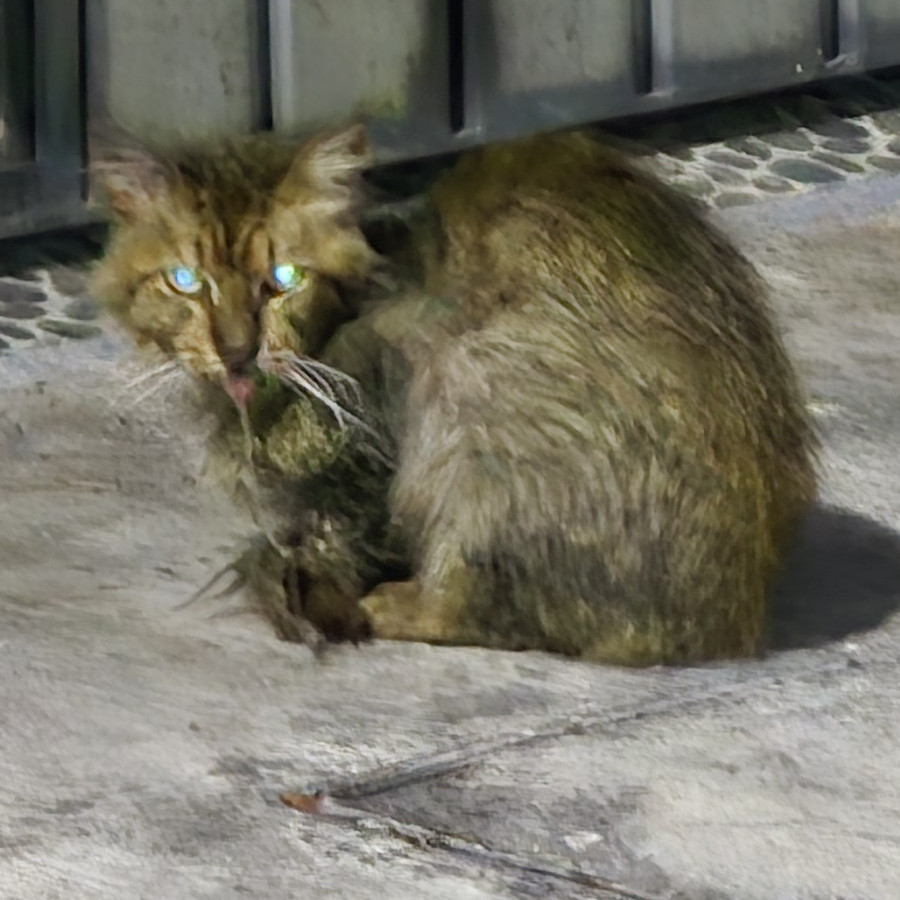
(843, 577)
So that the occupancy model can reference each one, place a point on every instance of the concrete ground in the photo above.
(144, 745)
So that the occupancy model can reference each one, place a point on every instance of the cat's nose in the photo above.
(237, 350)
(235, 333)
(238, 360)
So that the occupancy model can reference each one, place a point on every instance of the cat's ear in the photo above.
(130, 183)
(338, 157)
(327, 170)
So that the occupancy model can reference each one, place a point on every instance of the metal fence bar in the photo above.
(16, 82)
(878, 26)
(429, 76)
(45, 189)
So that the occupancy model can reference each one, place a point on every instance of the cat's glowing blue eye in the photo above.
(287, 276)
(184, 279)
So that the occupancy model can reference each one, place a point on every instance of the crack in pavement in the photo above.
(334, 803)
(417, 770)
(473, 850)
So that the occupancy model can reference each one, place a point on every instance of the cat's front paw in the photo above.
(400, 611)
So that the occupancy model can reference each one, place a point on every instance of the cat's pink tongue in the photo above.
(240, 389)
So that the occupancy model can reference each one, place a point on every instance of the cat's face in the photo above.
(231, 259)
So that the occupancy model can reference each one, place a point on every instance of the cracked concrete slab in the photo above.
(144, 743)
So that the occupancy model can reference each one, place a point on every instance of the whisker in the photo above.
(349, 387)
(302, 385)
(334, 374)
(309, 377)
(165, 367)
(161, 382)
(159, 371)
(328, 370)
(237, 581)
(317, 378)
(161, 378)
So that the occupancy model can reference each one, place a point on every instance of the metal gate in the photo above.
(430, 75)
(443, 74)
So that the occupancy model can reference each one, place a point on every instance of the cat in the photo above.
(550, 412)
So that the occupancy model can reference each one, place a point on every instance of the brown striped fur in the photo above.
(601, 447)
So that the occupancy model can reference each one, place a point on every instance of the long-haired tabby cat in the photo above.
(559, 401)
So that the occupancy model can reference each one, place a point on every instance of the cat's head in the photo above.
(231, 258)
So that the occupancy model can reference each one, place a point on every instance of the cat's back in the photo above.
(578, 274)
(568, 183)
(567, 216)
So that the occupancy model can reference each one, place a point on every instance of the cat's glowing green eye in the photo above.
(184, 279)
(287, 276)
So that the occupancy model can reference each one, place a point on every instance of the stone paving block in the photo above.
(805, 171)
(62, 328)
(16, 331)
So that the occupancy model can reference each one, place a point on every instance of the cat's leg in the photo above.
(398, 611)
(433, 613)
(542, 516)
(451, 496)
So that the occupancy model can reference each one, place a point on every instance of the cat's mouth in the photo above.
(239, 382)
(239, 387)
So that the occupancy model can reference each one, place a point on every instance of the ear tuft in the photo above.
(325, 174)
(336, 158)
(131, 182)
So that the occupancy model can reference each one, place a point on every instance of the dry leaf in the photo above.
(307, 803)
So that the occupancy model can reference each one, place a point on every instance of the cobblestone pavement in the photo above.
(744, 152)
(43, 290)
(726, 155)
